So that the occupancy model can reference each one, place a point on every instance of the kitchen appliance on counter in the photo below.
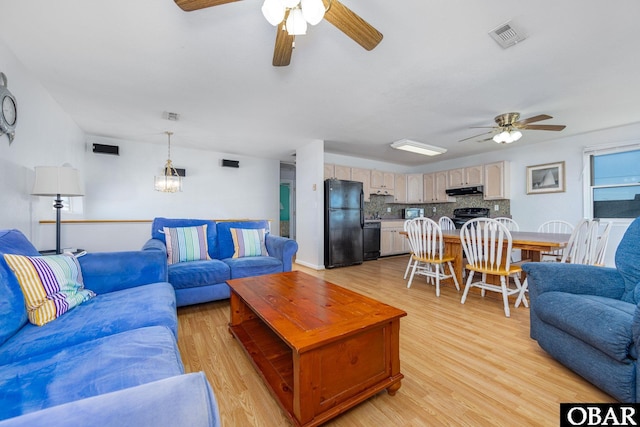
(343, 223)
(411, 213)
(371, 240)
(462, 215)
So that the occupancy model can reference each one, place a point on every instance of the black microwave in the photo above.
(410, 213)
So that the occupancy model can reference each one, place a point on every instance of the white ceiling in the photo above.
(116, 65)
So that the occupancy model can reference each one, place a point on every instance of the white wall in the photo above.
(116, 187)
(310, 205)
(121, 188)
(45, 135)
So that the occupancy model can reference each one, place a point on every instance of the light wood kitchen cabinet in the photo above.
(435, 186)
(400, 188)
(363, 176)
(382, 183)
(415, 185)
(496, 181)
(337, 172)
(465, 177)
(391, 241)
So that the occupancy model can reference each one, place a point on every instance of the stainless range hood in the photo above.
(476, 189)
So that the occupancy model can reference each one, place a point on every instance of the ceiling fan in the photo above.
(508, 127)
(335, 12)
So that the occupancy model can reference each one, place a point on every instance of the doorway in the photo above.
(287, 200)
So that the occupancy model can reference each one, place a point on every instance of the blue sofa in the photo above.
(112, 360)
(205, 280)
(588, 319)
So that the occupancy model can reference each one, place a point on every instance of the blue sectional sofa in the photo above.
(205, 280)
(588, 318)
(112, 360)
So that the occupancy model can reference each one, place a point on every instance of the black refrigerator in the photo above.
(343, 223)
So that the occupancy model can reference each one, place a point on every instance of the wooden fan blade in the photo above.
(351, 24)
(543, 127)
(191, 5)
(475, 136)
(284, 47)
(537, 118)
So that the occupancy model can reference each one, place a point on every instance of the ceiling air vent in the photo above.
(506, 35)
(170, 116)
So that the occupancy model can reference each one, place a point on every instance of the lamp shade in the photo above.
(54, 180)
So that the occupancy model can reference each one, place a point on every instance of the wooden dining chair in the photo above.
(410, 263)
(487, 245)
(446, 223)
(580, 249)
(554, 226)
(427, 252)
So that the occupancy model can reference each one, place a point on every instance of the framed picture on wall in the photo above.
(547, 178)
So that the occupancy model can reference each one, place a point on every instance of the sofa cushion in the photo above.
(212, 240)
(248, 242)
(13, 314)
(627, 255)
(106, 314)
(186, 243)
(198, 273)
(225, 241)
(604, 323)
(253, 266)
(88, 369)
(51, 285)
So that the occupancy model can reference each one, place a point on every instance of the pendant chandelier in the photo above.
(297, 12)
(170, 181)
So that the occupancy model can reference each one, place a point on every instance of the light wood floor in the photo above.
(464, 365)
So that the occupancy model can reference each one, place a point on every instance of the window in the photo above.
(614, 182)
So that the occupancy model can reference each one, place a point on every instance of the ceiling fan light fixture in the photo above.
(273, 11)
(418, 147)
(312, 11)
(507, 136)
(296, 24)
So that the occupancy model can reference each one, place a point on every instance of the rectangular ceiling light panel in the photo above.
(418, 147)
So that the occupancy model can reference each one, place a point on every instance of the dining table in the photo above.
(531, 243)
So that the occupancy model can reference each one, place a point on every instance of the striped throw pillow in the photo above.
(186, 243)
(248, 242)
(52, 285)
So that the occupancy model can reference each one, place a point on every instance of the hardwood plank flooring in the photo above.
(464, 365)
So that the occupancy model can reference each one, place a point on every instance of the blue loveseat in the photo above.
(205, 280)
(112, 360)
(588, 319)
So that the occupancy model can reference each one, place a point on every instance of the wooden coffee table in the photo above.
(320, 348)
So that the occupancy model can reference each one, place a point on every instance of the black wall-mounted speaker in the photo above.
(230, 163)
(106, 149)
(181, 172)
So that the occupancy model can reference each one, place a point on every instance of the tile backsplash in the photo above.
(379, 205)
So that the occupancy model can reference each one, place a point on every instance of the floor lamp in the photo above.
(58, 181)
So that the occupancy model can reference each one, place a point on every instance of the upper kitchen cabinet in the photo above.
(415, 185)
(465, 177)
(400, 188)
(363, 176)
(435, 186)
(496, 181)
(382, 183)
(337, 172)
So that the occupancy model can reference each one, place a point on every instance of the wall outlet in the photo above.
(496, 207)
(388, 210)
(434, 209)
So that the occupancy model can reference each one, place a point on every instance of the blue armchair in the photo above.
(205, 280)
(587, 317)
